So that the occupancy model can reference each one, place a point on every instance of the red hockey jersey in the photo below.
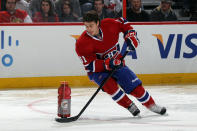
(92, 51)
(19, 16)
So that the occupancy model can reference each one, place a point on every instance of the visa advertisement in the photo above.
(35, 51)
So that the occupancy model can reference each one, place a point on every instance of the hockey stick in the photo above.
(74, 118)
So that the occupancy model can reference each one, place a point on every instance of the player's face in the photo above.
(10, 5)
(92, 27)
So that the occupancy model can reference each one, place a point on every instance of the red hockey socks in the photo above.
(143, 96)
(111, 88)
(125, 101)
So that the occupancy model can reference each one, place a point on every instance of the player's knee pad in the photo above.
(138, 92)
(110, 86)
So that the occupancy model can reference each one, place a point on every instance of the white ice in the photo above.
(35, 110)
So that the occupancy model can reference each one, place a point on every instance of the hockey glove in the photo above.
(112, 63)
(131, 39)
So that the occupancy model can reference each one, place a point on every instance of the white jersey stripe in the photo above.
(115, 93)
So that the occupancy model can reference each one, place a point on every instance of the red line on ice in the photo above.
(31, 106)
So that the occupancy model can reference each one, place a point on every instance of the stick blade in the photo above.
(66, 120)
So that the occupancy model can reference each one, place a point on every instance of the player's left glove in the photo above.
(112, 63)
(131, 39)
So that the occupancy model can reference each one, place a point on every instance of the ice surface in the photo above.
(35, 110)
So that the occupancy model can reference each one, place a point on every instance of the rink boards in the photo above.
(41, 55)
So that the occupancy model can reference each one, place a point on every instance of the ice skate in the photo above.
(157, 109)
(134, 109)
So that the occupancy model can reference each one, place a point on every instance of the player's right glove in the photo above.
(131, 39)
(112, 63)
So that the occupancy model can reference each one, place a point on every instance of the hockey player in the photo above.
(99, 51)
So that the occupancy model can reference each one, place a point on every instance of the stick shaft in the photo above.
(93, 96)
(100, 87)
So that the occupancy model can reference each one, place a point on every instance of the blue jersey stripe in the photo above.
(118, 95)
(146, 96)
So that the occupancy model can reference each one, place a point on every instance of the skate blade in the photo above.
(138, 116)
